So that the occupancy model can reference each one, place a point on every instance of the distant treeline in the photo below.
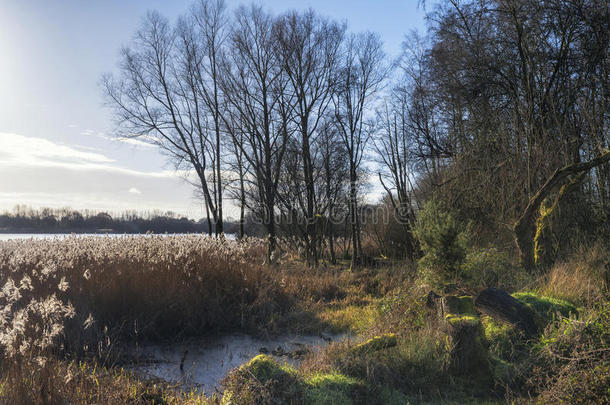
(25, 219)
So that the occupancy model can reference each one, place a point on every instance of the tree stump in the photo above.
(468, 349)
(466, 341)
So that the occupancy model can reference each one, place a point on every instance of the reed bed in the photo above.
(74, 293)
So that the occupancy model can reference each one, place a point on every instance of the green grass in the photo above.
(331, 388)
(545, 308)
(264, 378)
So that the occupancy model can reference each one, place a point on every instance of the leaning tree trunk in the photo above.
(525, 227)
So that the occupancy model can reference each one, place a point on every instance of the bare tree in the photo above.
(308, 46)
(159, 94)
(415, 96)
(202, 34)
(361, 76)
(255, 86)
(335, 168)
(394, 156)
(239, 167)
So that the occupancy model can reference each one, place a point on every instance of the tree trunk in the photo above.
(347, 237)
(272, 241)
(310, 220)
(207, 215)
(331, 246)
(219, 222)
(270, 224)
(354, 219)
(241, 221)
(525, 227)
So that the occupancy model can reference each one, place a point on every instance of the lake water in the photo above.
(12, 236)
(206, 362)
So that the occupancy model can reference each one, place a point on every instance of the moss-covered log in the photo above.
(500, 305)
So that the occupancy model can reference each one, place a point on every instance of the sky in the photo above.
(57, 147)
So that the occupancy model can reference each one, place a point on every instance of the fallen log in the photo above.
(499, 305)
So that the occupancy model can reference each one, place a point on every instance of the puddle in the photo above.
(207, 362)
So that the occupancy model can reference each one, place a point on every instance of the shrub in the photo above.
(391, 236)
(490, 267)
(443, 240)
(573, 360)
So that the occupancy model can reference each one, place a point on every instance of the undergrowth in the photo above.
(67, 306)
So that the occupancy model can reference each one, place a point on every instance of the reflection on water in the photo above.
(205, 363)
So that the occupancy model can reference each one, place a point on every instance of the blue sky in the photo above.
(56, 144)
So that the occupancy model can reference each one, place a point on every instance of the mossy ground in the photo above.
(459, 319)
(264, 377)
(547, 307)
(376, 343)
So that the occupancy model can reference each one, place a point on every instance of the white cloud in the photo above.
(22, 151)
(142, 140)
(40, 172)
(146, 142)
(30, 151)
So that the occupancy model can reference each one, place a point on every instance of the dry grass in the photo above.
(583, 279)
(61, 382)
(572, 363)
